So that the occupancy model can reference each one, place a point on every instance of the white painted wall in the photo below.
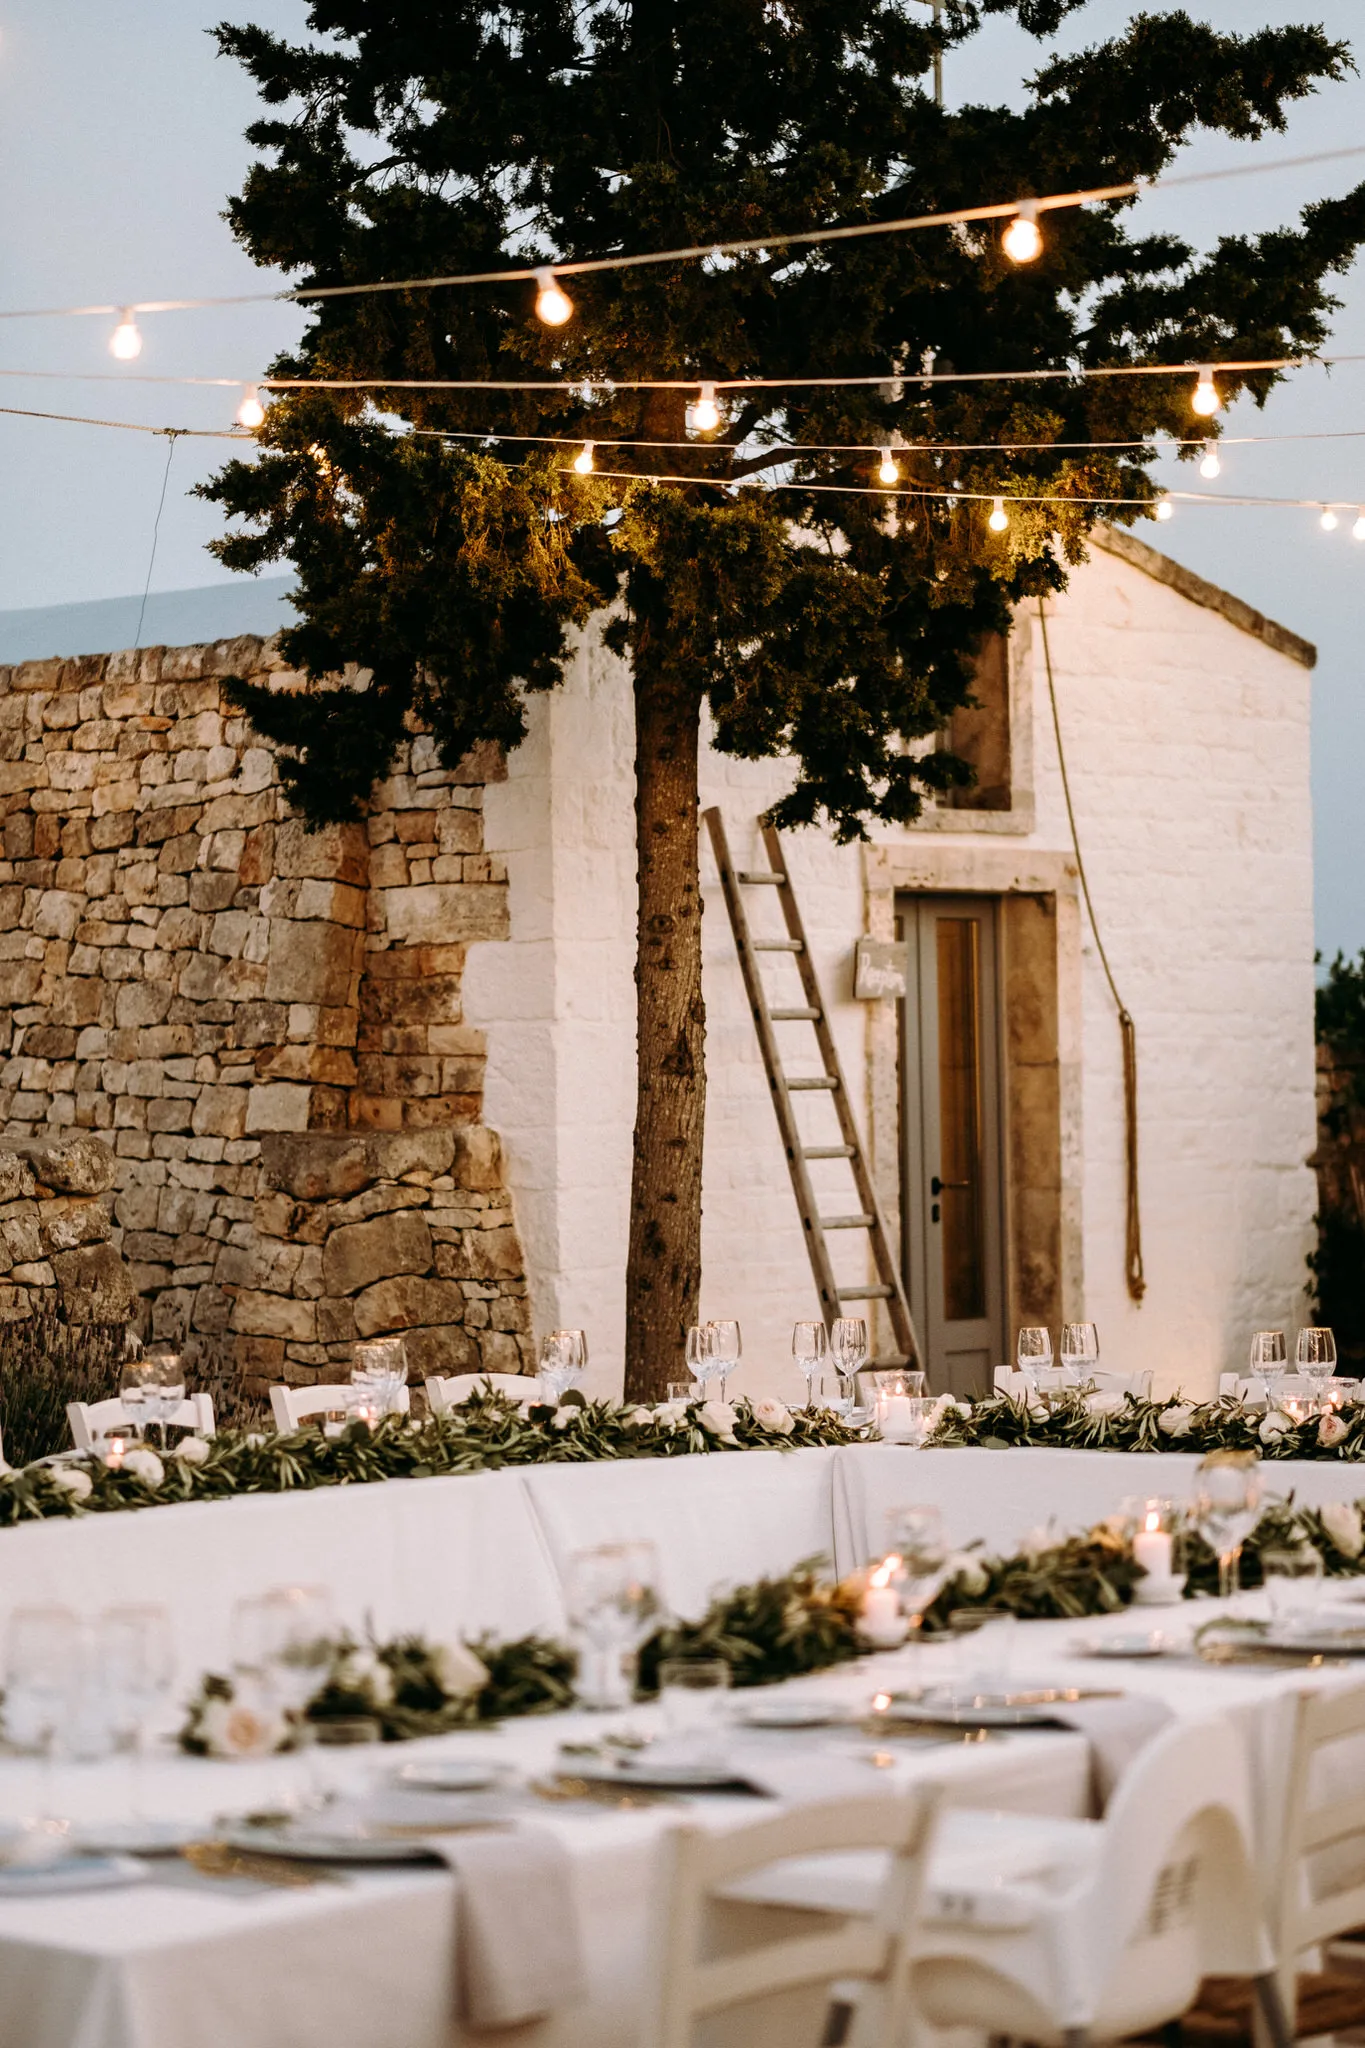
(1187, 746)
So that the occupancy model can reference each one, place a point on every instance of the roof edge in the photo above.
(1112, 540)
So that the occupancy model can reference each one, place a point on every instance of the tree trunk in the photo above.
(663, 1273)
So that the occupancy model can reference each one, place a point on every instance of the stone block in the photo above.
(95, 1282)
(277, 1106)
(16, 1178)
(395, 1154)
(140, 1003)
(20, 981)
(442, 913)
(317, 1168)
(58, 914)
(311, 963)
(408, 1303)
(63, 1225)
(274, 1315)
(74, 1165)
(22, 1239)
(220, 1112)
(78, 1000)
(358, 1254)
(337, 853)
(445, 1351)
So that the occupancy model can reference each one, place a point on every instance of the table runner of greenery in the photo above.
(1103, 1421)
(484, 1434)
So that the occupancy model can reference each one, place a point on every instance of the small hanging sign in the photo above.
(879, 969)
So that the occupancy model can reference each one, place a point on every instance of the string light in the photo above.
(999, 518)
(1022, 240)
(1210, 466)
(553, 304)
(705, 413)
(126, 341)
(1205, 400)
(1358, 530)
(889, 472)
(1165, 509)
(582, 462)
(1329, 521)
(251, 413)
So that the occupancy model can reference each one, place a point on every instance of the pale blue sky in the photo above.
(121, 134)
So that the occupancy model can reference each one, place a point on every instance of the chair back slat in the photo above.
(1317, 1824)
(292, 1405)
(446, 1393)
(92, 1422)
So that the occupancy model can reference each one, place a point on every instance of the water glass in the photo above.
(694, 1694)
(1033, 1353)
(723, 1345)
(1080, 1351)
(919, 1548)
(137, 1390)
(697, 1353)
(563, 1361)
(1293, 1583)
(379, 1369)
(848, 1353)
(834, 1394)
(614, 1604)
(43, 1674)
(682, 1392)
(1316, 1355)
(810, 1349)
(167, 1388)
(1226, 1507)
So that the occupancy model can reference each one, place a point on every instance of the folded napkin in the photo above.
(519, 1952)
(1116, 1730)
(798, 1774)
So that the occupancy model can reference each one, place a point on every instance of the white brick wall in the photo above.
(1187, 746)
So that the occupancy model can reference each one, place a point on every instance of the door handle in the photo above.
(937, 1186)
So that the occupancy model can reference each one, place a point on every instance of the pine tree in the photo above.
(442, 540)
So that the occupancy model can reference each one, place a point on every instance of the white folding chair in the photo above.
(93, 1422)
(722, 1970)
(1068, 1932)
(292, 1405)
(1139, 1384)
(1007, 1381)
(1318, 1859)
(448, 1393)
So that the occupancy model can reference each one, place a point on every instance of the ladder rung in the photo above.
(828, 1152)
(794, 1016)
(778, 881)
(870, 1291)
(847, 1222)
(816, 1081)
(778, 946)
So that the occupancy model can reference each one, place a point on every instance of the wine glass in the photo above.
(43, 1673)
(697, 1353)
(167, 1387)
(135, 1661)
(613, 1605)
(848, 1352)
(563, 1360)
(919, 1545)
(1080, 1351)
(1033, 1353)
(138, 1392)
(1268, 1356)
(1227, 1506)
(724, 1348)
(1315, 1354)
(810, 1349)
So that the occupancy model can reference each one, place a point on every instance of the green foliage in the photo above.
(772, 1630)
(44, 1364)
(404, 141)
(1339, 1006)
(1071, 1422)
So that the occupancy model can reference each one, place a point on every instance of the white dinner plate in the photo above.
(1318, 1639)
(808, 1712)
(1023, 1707)
(359, 1843)
(1147, 1643)
(71, 1874)
(139, 1837)
(454, 1774)
(657, 1772)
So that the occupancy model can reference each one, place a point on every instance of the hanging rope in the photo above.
(172, 436)
(1137, 1285)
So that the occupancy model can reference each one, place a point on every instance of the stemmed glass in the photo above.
(1267, 1361)
(919, 1545)
(1227, 1506)
(166, 1389)
(723, 1345)
(135, 1660)
(379, 1369)
(810, 1349)
(1033, 1353)
(138, 1392)
(563, 1360)
(1315, 1354)
(43, 1673)
(697, 1353)
(1080, 1351)
(848, 1350)
(614, 1604)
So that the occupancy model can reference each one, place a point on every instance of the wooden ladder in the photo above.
(888, 1286)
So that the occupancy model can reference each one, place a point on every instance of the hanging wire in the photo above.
(1133, 1273)
(172, 436)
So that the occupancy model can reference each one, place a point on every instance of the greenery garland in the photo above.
(1077, 1420)
(483, 1434)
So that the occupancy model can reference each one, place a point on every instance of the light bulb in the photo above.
(1329, 521)
(582, 462)
(250, 413)
(889, 473)
(126, 341)
(1205, 400)
(1358, 530)
(553, 304)
(999, 518)
(1022, 240)
(705, 411)
(1165, 509)
(1210, 466)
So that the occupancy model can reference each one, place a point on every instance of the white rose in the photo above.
(192, 1450)
(964, 1409)
(1331, 1430)
(967, 1572)
(638, 1418)
(240, 1728)
(145, 1465)
(671, 1414)
(362, 1671)
(457, 1670)
(1343, 1525)
(563, 1417)
(1034, 1542)
(1038, 1411)
(1175, 1420)
(774, 1416)
(1275, 1425)
(1105, 1404)
(718, 1419)
(70, 1479)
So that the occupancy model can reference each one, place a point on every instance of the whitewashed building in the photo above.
(1184, 717)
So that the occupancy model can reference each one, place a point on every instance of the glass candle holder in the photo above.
(898, 1406)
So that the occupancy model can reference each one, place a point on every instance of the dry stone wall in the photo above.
(263, 1022)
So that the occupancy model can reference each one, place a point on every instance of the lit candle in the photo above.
(114, 1455)
(895, 1417)
(1152, 1547)
(881, 1620)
